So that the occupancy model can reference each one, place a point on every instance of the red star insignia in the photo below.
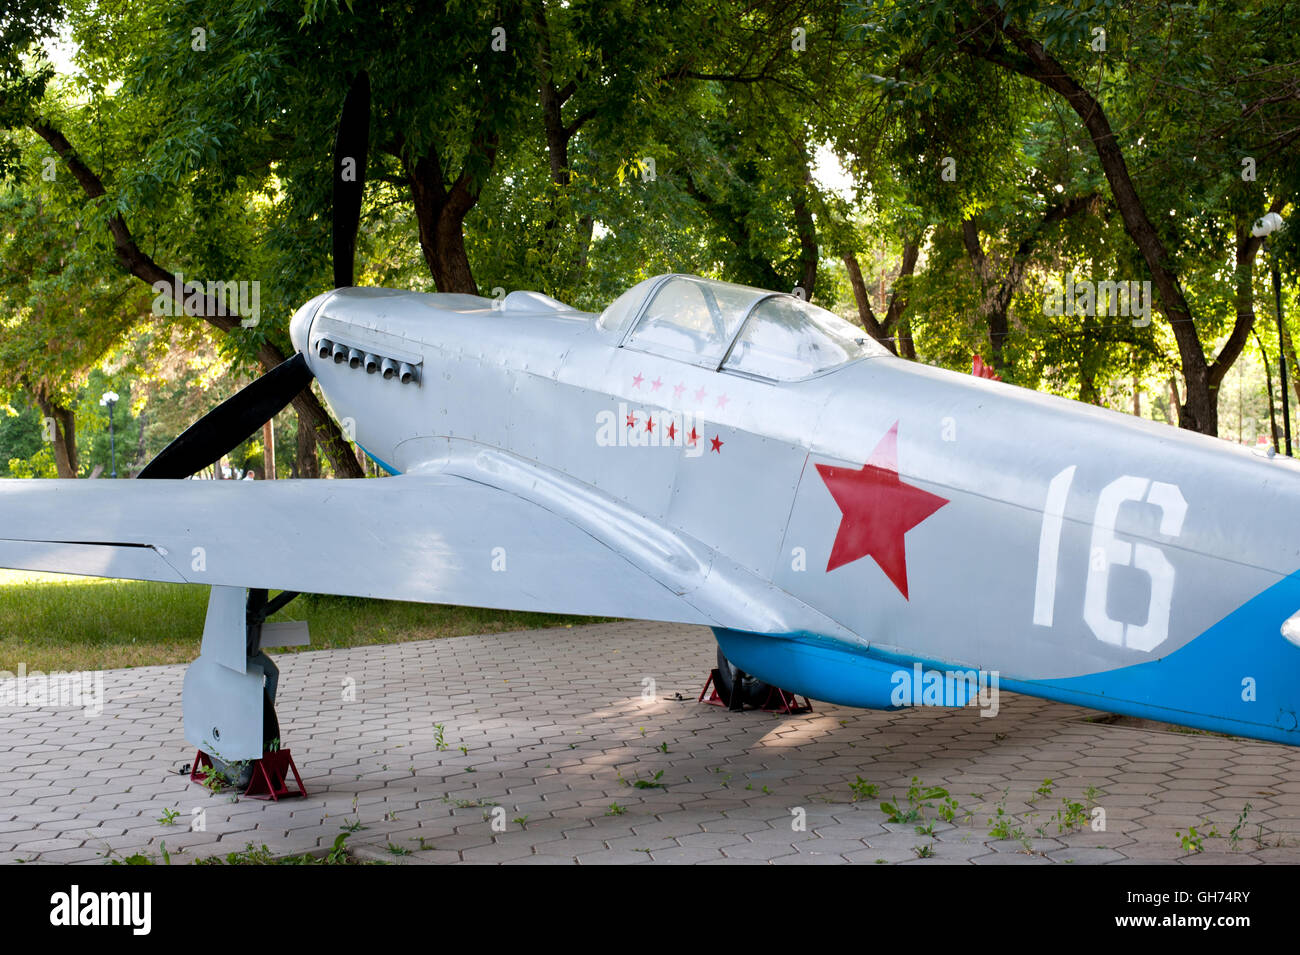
(672, 431)
(656, 384)
(692, 437)
(649, 424)
(699, 395)
(878, 509)
(722, 401)
(631, 420)
(678, 389)
(636, 382)
(717, 445)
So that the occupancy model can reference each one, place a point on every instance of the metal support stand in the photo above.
(778, 700)
(270, 775)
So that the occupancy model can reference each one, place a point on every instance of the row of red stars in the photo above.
(678, 389)
(691, 438)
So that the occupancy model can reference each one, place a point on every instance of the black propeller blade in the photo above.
(223, 428)
(351, 145)
(230, 423)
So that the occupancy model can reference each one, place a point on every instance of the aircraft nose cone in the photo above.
(300, 325)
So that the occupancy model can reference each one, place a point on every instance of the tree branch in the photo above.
(140, 264)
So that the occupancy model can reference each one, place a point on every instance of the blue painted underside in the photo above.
(380, 461)
(1241, 676)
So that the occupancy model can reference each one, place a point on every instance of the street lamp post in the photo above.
(109, 401)
(1266, 226)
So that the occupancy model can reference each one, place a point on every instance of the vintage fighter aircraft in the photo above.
(714, 454)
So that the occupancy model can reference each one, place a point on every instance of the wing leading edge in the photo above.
(432, 539)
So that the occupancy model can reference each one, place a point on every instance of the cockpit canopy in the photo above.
(734, 328)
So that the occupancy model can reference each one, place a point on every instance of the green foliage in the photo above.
(862, 789)
(651, 783)
(1002, 825)
(1234, 835)
(919, 798)
(606, 143)
(1194, 839)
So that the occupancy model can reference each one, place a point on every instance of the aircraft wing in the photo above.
(430, 538)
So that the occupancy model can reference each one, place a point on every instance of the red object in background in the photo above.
(981, 370)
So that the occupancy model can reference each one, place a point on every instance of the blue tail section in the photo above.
(1241, 676)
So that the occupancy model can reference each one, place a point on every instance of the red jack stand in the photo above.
(270, 775)
(788, 702)
(713, 700)
(202, 761)
(778, 700)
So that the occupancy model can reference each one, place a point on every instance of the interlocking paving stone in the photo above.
(555, 729)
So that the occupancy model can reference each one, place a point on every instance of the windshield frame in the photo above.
(763, 296)
(717, 316)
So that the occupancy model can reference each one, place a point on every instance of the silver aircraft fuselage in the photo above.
(875, 515)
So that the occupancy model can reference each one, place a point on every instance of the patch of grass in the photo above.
(250, 855)
(1001, 824)
(1234, 837)
(651, 783)
(919, 798)
(1071, 816)
(1194, 839)
(61, 622)
(862, 789)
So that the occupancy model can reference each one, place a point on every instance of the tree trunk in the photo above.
(1288, 349)
(865, 313)
(806, 228)
(61, 426)
(1272, 405)
(138, 465)
(905, 343)
(268, 450)
(306, 464)
(440, 214)
(895, 331)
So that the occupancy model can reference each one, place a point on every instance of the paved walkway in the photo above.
(539, 747)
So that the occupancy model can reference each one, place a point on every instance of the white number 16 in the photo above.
(1108, 551)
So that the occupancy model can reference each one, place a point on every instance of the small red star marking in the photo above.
(649, 424)
(672, 431)
(722, 401)
(878, 509)
(631, 420)
(636, 382)
(656, 384)
(717, 445)
(699, 395)
(692, 437)
(678, 389)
